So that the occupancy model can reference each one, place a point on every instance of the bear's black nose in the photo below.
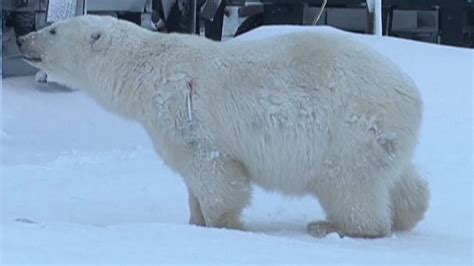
(19, 41)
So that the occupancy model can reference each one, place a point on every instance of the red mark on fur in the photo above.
(192, 85)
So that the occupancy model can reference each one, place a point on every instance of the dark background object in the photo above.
(20, 17)
(449, 22)
(454, 24)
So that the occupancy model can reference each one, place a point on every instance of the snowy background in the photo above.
(80, 185)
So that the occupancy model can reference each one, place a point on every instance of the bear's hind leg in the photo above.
(354, 209)
(409, 199)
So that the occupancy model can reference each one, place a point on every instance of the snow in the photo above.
(80, 185)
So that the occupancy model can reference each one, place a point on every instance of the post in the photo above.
(374, 17)
(192, 16)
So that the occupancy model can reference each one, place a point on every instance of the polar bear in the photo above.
(307, 113)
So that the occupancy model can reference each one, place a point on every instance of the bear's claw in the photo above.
(321, 229)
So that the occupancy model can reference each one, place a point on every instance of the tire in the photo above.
(181, 16)
(22, 22)
(249, 24)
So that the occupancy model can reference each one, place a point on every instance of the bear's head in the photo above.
(72, 50)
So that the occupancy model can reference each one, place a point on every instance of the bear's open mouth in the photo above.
(33, 59)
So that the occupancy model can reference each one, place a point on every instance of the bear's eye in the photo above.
(52, 31)
(95, 36)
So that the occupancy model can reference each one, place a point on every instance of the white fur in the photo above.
(303, 113)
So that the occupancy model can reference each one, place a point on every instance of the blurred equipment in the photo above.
(448, 22)
(440, 21)
(62, 9)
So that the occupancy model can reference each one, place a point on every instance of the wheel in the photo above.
(181, 15)
(22, 22)
(249, 24)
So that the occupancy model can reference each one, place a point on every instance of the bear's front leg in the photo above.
(220, 188)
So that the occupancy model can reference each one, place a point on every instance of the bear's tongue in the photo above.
(32, 58)
(28, 55)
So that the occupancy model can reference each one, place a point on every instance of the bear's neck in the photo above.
(121, 88)
(127, 83)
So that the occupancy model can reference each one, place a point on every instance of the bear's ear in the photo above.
(96, 36)
(98, 40)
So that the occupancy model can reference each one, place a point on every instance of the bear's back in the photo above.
(286, 99)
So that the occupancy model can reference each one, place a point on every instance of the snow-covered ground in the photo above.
(80, 185)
